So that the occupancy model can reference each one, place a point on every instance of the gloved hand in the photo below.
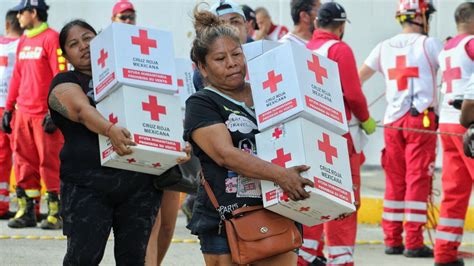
(369, 126)
(469, 142)
(48, 124)
(6, 120)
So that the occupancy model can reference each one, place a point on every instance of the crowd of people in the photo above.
(47, 110)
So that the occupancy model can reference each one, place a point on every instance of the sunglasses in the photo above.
(125, 17)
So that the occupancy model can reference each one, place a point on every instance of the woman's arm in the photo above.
(220, 148)
(69, 100)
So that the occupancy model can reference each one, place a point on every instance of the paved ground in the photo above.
(38, 247)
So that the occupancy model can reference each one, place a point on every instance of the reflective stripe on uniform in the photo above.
(309, 243)
(390, 216)
(306, 256)
(32, 193)
(4, 198)
(448, 236)
(394, 204)
(451, 222)
(3, 185)
(416, 205)
(340, 255)
(415, 217)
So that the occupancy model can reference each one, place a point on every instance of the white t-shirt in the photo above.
(469, 94)
(290, 37)
(7, 61)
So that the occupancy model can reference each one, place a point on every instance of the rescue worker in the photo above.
(266, 29)
(8, 45)
(303, 14)
(37, 142)
(124, 12)
(457, 67)
(327, 41)
(409, 63)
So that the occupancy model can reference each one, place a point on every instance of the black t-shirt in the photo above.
(205, 108)
(81, 146)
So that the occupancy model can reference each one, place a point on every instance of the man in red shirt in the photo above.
(327, 41)
(37, 143)
(8, 45)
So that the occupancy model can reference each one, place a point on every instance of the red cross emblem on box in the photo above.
(272, 81)
(153, 107)
(144, 42)
(131, 160)
(318, 70)
(102, 58)
(281, 158)
(326, 147)
(113, 118)
(277, 133)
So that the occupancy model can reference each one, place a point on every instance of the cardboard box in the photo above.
(153, 119)
(301, 142)
(254, 49)
(184, 74)
(290, 81)
(124, 54)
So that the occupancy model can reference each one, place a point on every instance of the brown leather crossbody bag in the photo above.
(255, 233)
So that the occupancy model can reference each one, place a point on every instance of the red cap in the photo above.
(122, 6)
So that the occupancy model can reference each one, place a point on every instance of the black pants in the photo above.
(102, 200)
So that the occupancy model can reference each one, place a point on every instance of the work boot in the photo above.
(25, 216)
(53, 221)
(458, 262)
(398, 250)
(423, 252)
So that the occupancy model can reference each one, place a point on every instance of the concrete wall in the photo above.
(372, 22)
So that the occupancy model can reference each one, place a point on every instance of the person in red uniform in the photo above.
(37, 143)
(266, 29)
(327, 41)
(8, 45)
(457, 66)
(409, 63)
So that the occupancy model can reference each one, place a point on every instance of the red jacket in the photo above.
(38, 60)
(354, 99)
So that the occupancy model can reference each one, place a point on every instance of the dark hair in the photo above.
(41, 13)
(13, 20)
(298, 6)
(464, 13)
(208, 28)
(329, 24)
(66, 28)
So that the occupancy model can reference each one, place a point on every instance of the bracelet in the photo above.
(108, 129)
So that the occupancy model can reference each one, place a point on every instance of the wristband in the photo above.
(107, 130)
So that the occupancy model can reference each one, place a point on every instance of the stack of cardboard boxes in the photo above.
(300, 113)
(135, 85)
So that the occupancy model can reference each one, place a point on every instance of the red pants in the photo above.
(457, 180)
(37, 154)
(408, 160)
(6, 143)
(340, 235)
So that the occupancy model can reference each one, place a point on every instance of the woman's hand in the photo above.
(187, 149)
(121, 140)
(293, 184)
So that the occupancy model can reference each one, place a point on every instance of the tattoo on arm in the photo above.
(56, 105)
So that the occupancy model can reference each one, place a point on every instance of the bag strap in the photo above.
(209, 192)
(246, 209)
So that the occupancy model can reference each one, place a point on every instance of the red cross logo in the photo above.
(277, 133)
(272, 81)
(401, 72)
(327, 217)
(281, 158)
(284, 197)
(305, 209)
(325, 146)
(113, 118)
(318, 70)
(450, 74)
(103, 56)
(153, 107)
(180, 82)
(131, 160)
(4, 61)
(143, 41)
(156, 165)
